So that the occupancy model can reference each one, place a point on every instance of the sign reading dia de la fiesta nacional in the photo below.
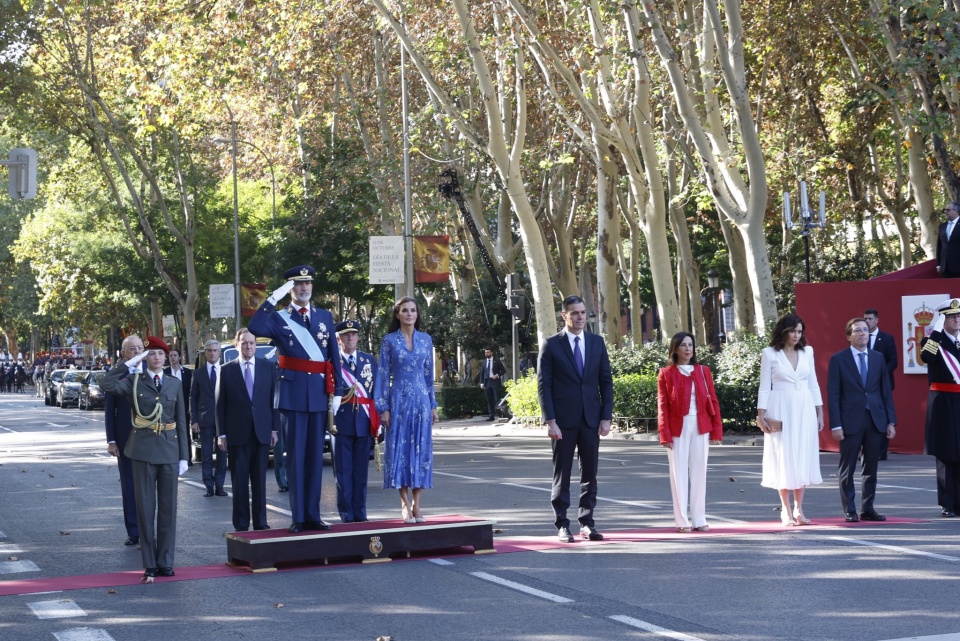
(386, 260)
(222, 301)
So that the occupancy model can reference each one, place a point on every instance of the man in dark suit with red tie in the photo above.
(861, 412)
(203, 405)
(575, 387)
(247, 426)
(948, 243)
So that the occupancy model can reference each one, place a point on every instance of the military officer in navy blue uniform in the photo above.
(357, 413)
(309, 385)
(941, 353)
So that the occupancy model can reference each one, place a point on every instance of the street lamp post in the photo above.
(273, 183)
(716, 322)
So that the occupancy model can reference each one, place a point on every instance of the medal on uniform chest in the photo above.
(323, 334)
(367, 375)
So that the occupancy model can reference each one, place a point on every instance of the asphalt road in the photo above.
(60, 516)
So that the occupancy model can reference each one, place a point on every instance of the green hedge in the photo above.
(457, 402)
(635, 395)
(522, 397)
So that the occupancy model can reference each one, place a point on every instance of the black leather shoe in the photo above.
(872, 516)
(564, 536)
(132, 540)
(590, 534)
(166, 572)
(284, 488)
(948, 514)
(316, 525)
(150, 573)
(295, 528)
(851, 517)
(208, 493)
(221, 493)
(265, 527)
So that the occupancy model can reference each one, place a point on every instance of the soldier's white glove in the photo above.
(336, 403)
(134, 363)
(182, 468)
(280, 292)
(938, 325)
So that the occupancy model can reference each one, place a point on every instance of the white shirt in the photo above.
(213, 367)
(950, 225)
(583, 344)
(873, 338)
(178, 374)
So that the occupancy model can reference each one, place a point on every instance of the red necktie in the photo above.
(303, 316)
(156, 381)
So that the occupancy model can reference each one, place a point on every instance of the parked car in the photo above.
(51, 385)
(68, 392)
(91, 395)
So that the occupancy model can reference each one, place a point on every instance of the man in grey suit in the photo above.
(861, 412)
(575, 386)
(247, 427)
(203, 407)
(158, 448)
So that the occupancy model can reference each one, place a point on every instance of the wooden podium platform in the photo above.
(370, 542)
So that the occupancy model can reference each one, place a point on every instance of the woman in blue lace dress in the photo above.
(408, 407)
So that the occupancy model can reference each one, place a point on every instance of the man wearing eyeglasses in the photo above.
(948, 243)
(861, 412)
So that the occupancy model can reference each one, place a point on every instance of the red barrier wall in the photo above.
(826, 308)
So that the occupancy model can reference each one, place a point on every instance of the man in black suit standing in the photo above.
(886, 345)
(203, 403)
(247, 426)
(575, 387)
(117, 420)
(861, 411)
(184, 375)
(948, 243)
(490, 376)
(941, 353)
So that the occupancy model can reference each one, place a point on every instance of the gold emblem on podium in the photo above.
(376, 547)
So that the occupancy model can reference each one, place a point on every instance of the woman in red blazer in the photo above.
(688, 419)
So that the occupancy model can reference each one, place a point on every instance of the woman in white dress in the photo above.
(790, 414)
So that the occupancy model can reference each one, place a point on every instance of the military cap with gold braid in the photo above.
(949, 307)
(347, 326)
(300, 273)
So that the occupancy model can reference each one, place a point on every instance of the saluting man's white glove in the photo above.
(336, 403)
(182, 468)
(938, 324)
(280, 292)
(134, 362)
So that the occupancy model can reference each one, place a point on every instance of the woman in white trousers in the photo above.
(688, 420)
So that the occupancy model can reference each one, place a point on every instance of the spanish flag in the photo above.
(431, 258)
(252, 296)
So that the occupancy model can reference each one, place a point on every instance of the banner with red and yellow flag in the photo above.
(431, 258)
(252, 296)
